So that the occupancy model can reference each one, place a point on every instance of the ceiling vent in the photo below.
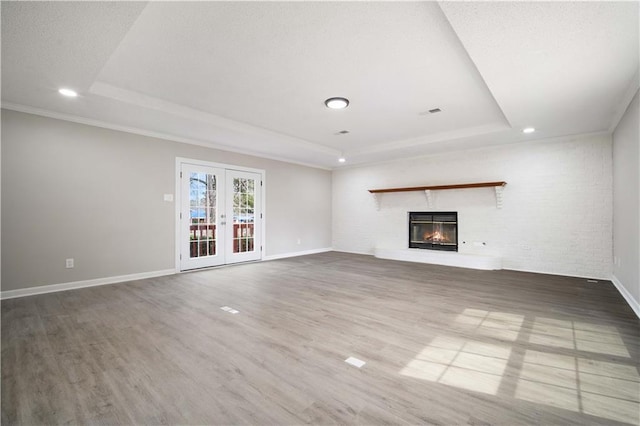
(431, 111)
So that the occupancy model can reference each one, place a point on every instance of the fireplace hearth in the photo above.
(433, 230)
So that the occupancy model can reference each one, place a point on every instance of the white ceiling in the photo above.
(253, 76)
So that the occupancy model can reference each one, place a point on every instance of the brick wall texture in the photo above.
(556, 216)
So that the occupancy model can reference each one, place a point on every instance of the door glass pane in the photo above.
(243, 217)
(202, 214)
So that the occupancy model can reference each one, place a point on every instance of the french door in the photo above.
(220, 216)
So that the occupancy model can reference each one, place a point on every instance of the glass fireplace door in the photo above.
(433, 230)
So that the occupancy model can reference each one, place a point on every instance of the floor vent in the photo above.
(355, 362)
(230, 310)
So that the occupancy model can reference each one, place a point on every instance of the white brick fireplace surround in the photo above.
(556, 215)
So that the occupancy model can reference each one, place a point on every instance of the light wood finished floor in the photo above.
(442, 346)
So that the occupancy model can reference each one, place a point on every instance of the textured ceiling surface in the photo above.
(252, 76)
(561, 66)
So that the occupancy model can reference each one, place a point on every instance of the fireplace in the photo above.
(433, 230)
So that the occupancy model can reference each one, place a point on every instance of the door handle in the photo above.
(223, 223)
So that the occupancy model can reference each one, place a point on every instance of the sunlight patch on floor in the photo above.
(499, 325)
(579, 336)
(603, 389)
(610, 390)
(466, 364)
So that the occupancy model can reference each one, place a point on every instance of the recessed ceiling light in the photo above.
(68, 92)
(337, 103)
(342, 160)
(528, 130)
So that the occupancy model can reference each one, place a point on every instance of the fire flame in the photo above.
(436, 236)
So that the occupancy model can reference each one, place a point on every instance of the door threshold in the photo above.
(206, 268)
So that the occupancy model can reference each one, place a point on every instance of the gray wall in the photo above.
(626, 200)
(96, 195)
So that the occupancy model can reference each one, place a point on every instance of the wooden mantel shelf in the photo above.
(427, 190)
(434, 187)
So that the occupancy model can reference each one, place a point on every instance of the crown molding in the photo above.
(171, 108)
(622, 106)
(547, 140)
(152, 134)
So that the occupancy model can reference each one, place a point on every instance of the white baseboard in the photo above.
(30, 291)
(364, 253)
(297, 253)
(627, 296)
(538, 271)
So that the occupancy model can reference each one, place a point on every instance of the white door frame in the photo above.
(178, 200)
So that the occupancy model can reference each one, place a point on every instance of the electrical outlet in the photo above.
(299, 241)
(69, 263)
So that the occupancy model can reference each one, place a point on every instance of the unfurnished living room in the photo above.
(283, 213)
